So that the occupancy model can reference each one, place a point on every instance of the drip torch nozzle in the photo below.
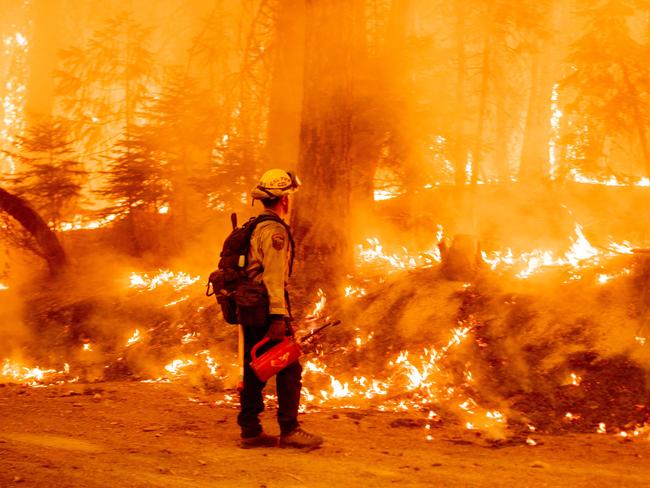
(319, 329)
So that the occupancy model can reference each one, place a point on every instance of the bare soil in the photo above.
(131, 434)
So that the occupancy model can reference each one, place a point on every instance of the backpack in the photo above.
(242, 301)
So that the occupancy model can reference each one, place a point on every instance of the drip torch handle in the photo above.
(257, 346)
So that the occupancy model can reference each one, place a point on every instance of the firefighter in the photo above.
(270, 258)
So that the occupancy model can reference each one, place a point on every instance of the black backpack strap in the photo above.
(253, 222)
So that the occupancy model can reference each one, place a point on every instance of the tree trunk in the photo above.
(463, 222)
(283, 132)
(460, 151)
(501, 150)
(534, 156)
(535, 166)
(482, 112)
(322, 211)
(639, 121)
(46, 239)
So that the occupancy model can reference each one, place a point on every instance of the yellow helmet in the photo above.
(275, 183)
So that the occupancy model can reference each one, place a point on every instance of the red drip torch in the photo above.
(282, 354)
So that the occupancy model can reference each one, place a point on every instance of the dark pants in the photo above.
(288, 383)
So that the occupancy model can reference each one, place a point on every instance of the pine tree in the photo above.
(135, 178)
(609, 85)
(103, 84)
(180, 126)
(137, 187)
(52, 179)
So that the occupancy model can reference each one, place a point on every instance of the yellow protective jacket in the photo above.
(269, 261)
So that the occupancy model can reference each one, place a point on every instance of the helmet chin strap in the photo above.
(261, 188)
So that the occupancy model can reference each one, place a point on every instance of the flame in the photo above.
(190, 337)
(319, 306)
(135, 337)
(530, 441)
(606, 278)
(178, 280)
(556, 117)
(354, 291)
(411, 380)
(572, 416)
(210, 362)
(576, 176)
(422, 376)
(12, 123)
(380, 195)
(87, 347)
(373, 253)
(175, 368)
(361, 341)
(602, 428)
(387, 185)
(3, 287)
(622, 248)
(638, 431)
(82, 223)
(574, 379)
(176, 302)
(581, 252)
(32, 376)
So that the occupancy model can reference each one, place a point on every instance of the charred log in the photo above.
(47, 241)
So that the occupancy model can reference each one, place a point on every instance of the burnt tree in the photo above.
(46, 239)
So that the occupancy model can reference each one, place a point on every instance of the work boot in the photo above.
(300, 439)
(260, 440)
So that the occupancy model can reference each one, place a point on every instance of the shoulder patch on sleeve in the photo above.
(278, 240)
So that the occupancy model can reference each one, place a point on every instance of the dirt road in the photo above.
(143, 435)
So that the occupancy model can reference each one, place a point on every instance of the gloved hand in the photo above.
(277, 329)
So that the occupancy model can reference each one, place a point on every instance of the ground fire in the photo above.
(467, 185)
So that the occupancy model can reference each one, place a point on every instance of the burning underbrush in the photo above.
(537, 357)
(560, 348)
